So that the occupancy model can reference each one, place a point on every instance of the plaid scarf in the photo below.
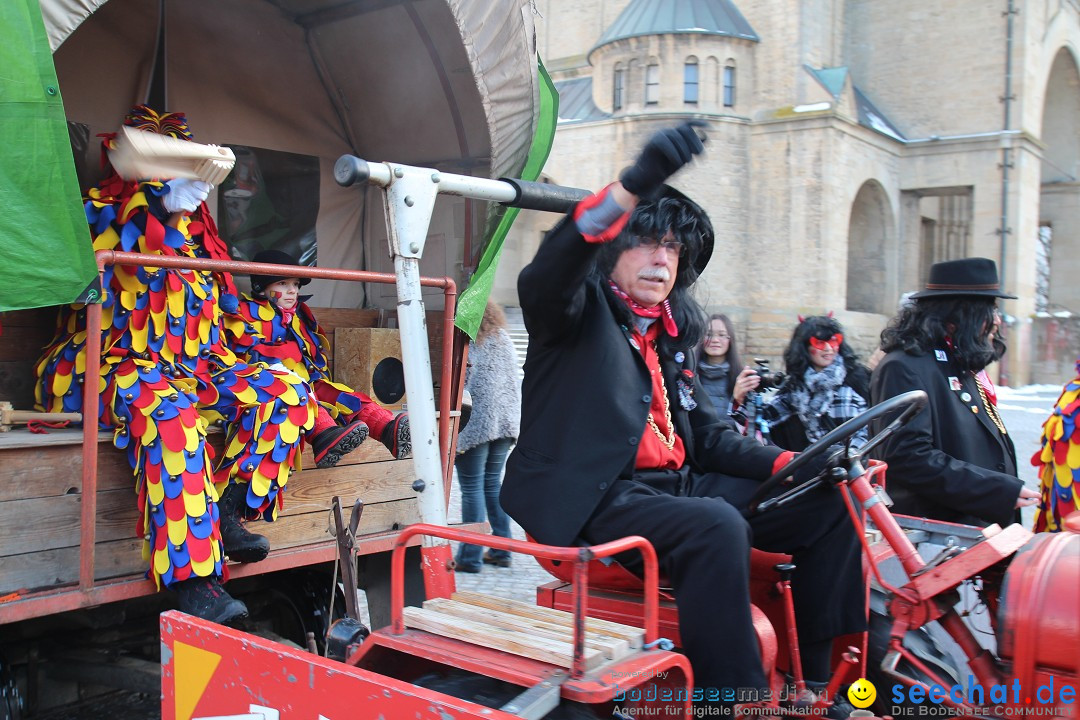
(822, 403)
(666, 317)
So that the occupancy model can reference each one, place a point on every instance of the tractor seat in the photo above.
(614, 576)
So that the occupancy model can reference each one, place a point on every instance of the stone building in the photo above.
(852, 144)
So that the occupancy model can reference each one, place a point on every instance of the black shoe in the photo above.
(336, 442)
(239, 544)
(396, 437)
(468, 568)
(205, 598)
(496, 560)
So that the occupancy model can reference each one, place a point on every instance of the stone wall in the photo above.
(781, 184)
(1057, 349)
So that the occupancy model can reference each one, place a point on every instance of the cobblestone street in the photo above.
(517, 582)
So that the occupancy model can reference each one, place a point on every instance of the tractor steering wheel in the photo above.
(911, 402)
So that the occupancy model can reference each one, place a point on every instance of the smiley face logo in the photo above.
(861, 693)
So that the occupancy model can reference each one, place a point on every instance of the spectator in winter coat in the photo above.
(492, 380)
(825, 386)
(725, 380)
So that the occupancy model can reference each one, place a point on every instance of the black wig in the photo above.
(687, 222)
(964, 319)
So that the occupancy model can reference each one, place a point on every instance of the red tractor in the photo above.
(581, 650)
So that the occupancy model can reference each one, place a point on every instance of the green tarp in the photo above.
(45, 252)
(474, 298)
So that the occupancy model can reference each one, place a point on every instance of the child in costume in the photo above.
(275, 326)
(167, 374)
(1058, 460)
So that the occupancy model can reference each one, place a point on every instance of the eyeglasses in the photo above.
(673, 248)
(717, 336)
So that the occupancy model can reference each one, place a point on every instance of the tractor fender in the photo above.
(1039, 612)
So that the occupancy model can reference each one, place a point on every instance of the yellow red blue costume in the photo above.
(167, 374)
(259, 332)
(1059, 460)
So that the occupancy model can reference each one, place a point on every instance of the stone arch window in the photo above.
(691, 81)
(652, 83)
(729, 83)
(871, 244)
(618, 100)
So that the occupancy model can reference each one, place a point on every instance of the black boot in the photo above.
(205, 598)
(397, 438)
(333, 443)
(239, 544)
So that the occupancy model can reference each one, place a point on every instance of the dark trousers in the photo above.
(703, 543)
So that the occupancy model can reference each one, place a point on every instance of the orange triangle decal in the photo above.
(192, 669)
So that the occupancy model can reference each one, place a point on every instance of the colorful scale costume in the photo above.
(1059, 460)
(259, 332)
(167, 374)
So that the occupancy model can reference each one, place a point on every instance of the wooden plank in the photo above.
(52, 470)
(311, 527)
(612, 648)
(332, 318)
(120, 557)
(634, 636)
(372, 483)
(19, 437)
(47, 523)
(61, 566)
(511, 641)
(50, 465)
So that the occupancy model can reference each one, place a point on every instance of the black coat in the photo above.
(948, 463)
(586, 395)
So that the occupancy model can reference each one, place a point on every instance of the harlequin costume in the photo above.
(166, 375)
(1058, 460)
(263, 330)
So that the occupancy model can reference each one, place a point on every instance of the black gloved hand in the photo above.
(666, 152)
(831, 458)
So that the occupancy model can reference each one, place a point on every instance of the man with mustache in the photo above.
(953, 461)
(618, 438)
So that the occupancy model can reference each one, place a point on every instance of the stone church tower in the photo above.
(852, 144)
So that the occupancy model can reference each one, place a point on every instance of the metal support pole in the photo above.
(409, 200)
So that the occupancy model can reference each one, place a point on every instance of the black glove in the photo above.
(831, 458)
(666, 152)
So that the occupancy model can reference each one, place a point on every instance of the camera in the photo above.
(769, 379)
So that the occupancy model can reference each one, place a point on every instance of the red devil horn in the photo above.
(830, 314)
(801, 318)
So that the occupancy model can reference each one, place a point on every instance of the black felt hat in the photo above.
(968, 276)
(259, 283)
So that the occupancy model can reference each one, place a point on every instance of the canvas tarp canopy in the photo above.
(450, 84)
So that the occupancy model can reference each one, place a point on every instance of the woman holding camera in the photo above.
(719, 360)
(825, 386)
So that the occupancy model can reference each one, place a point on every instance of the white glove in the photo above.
(185, 195)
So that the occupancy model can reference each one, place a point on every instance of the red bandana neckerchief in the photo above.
(654, 312)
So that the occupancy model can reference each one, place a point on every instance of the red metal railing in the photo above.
(580, 556)
(93, 593)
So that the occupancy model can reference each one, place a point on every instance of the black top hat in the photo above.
(967, 276)
(259, 283)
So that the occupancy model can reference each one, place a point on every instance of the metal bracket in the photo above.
(540, 699)
(410, 199)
